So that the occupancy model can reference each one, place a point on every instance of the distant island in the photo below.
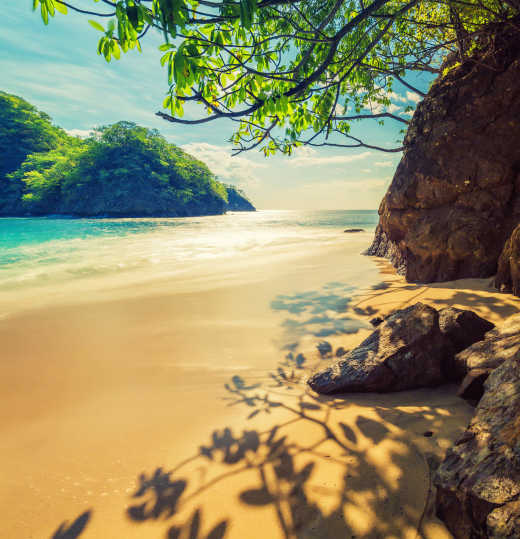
(121, 170)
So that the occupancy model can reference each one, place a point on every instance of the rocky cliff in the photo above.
(455, 196)
(508, 274)
(478, 483)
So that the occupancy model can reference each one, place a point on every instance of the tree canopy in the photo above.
(120, 170)
(291, 72)
(25, 130)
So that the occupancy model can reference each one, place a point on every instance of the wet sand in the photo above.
(117, 421)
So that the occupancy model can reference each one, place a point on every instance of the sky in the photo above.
(57, 69)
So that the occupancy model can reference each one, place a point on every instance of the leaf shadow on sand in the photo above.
(320, 313)
(333, 466)
(279, 469)
(74, 529)
(315, 466)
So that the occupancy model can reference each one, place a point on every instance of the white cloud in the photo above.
(67, 93)
(335, 194)
(383, 164)
(412, 96)
(392, 108)
(239, 170)
(375, 108)
(344, 186)
(396, 97)
(378, 108)
(82, 133)
(306, 157)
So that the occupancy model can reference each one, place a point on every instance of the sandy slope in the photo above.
(115, 416)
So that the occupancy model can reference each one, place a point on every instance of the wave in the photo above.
(49, 252)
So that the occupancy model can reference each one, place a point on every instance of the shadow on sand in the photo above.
(74, 529)
(321, 313)
(326, 467)
(354, 466)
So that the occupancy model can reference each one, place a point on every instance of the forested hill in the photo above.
(122, 170)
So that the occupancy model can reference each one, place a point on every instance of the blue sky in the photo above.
(57, 69)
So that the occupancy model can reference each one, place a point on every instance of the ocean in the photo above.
(43, 256)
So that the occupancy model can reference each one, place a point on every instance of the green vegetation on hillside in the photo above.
(23, 131)
(237, 199)
(120, 170)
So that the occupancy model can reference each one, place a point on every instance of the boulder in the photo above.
(508, 273)
(455, 196)
(407, 350)
(353, 230)
(462, 327)
(498, 345)
(478, 483)
(504, 521)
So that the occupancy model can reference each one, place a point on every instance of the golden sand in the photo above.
(116, 422)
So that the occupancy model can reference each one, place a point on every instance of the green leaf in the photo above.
(96, 25)
(61, 7)
(166, 46)
(45, 14)
(167, 102)
(245, 14)
(133, 16)
(116, 51)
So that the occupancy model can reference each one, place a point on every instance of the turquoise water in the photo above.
(49, 251)
(16, 232)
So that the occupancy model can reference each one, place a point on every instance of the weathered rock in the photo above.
(472, 386)
(508, 273)
(402, 353)
(407, 350)
(462, 327)
(478, 483)
(352, 230)
(498, 345)
(455, 196)
(504, 522)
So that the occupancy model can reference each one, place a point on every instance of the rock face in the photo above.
(478, 483)
(499, 345)
(455, 196)
(413, 347)
(508, 274)
(462, 328)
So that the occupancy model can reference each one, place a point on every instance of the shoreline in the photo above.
(355, 464)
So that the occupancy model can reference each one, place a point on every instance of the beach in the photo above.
(176, 406)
